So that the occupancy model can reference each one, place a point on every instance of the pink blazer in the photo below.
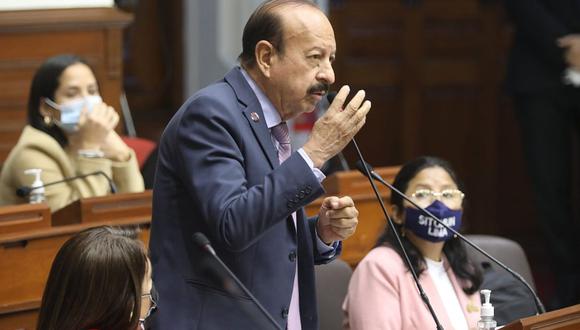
(382, 295)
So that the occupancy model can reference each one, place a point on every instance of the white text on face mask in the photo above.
(435, 229)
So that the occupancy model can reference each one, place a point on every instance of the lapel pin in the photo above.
(255, 117)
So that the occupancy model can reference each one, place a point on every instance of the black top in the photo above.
(536, 62)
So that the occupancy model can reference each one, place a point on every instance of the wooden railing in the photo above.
(30, 236)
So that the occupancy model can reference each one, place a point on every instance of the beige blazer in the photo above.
(36, 149)
(382, 295)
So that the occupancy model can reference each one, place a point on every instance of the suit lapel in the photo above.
(252, 111)
(262, 134)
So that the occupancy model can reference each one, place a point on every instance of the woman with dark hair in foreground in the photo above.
(382, 293)
(100, 279)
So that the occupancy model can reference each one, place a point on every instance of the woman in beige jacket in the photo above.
(70, 131)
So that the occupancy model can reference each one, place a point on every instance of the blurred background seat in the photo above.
(331, 287)
(505, 250)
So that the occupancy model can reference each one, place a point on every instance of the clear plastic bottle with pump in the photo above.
(486, 321)
(37, 189)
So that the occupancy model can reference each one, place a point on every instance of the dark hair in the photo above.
(95, 282)
(454, 249)
(265, 24)
(44, 84)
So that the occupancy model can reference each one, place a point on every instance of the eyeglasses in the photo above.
(151, 302)
(450, 197)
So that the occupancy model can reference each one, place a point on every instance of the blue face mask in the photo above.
(429, 229)
(70, 112)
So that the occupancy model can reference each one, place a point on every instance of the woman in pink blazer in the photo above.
(382, 293)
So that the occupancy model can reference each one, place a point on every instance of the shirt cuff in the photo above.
(572, 77)
(323, 248)
(317, 173)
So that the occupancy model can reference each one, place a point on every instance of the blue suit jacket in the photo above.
(218, 173)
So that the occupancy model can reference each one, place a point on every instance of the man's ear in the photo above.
(265, 53)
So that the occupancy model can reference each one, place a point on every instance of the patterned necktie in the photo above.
(281, 134)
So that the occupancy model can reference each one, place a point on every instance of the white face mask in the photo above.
(70, 112)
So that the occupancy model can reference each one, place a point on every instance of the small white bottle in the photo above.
(37, 187)
(486, 322)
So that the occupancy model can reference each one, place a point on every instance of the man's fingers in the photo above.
(563, 42)
(336, 203)
(361, 115)
(331, 203)
(346, 213)
(568, 40)
(344, 222)
(362, 112)
(345, 201)
(364, 109)
(344, 233)
(356, 101)
(339, 99)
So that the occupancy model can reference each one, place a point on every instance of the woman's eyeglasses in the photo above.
(148, 303)
(453, 198)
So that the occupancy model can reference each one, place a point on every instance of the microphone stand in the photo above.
(398, 238)
(25, 191)
(369, 173)
(203, 242)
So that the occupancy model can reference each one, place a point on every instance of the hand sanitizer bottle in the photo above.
(486, 322)
(37, 190)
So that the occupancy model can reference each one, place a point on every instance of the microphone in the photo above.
(203, 243)
(26, 190)
(391, 224)
(367, 170)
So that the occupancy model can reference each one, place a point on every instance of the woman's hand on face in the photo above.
(115, 149)
(94, 127)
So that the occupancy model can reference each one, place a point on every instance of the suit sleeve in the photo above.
(209, 147)
(372, 301)
(542, 30)
(328, 255)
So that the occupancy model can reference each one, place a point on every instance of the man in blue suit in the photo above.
(226, 169)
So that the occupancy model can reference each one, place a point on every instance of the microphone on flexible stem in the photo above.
(367, 170)
(203, 243)
(399, 242)
(422, 293)
(26, 190)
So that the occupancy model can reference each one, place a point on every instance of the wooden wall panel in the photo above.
(153, 64)
(434, 70)
(426, 68)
